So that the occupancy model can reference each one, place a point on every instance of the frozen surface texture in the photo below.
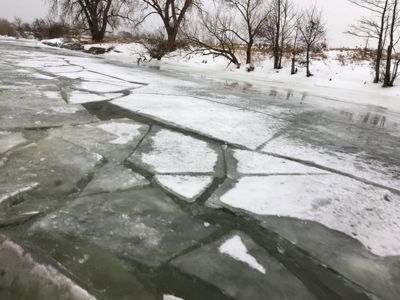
(370, 214)
(251, 129)
(24, 278)
(144, 225)
(113, 178)
(187, 187)
(10, 140)
(171, 152)
(236, 278)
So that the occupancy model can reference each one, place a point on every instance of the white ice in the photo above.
(43, 278)
(175, 153)
(367, 213)
(257, 163)
(235, 248)
(18, 189)
(171, 297)
(124, 131)
(10, 140)
(224, 122)
(79, 97)
(188, 187)
(355, 164)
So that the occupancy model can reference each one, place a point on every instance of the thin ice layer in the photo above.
(224, 122)
(368, 214)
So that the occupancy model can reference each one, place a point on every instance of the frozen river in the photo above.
(121, 182)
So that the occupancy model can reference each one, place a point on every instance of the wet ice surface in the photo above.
(285, 195)
(367, 215)
(24, 278)
(144, 225)
(209, 264)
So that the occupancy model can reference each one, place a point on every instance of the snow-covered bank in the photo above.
(337, 77)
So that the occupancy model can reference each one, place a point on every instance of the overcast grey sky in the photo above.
(338, 14)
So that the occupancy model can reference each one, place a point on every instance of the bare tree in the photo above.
(7, 28)
(214, 35)
(94, 15)
(294, 49)
(253, 15)
(394, 23)
(280, 28)
(172, 14)
(312, 32)
(374, 27)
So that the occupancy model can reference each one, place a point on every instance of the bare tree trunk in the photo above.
(293, 69)
(171, 35)
(277, 35)
(388, 74)
(249, 52)
(308, 62)
(380, 44)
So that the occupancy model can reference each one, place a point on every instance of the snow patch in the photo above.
(171, 297)
(224, 122)
(64, 110)
(175, 153)
(188, 187)
(256, 163)
(235, 248)
(366, 213)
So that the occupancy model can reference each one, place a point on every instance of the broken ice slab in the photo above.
(358, 163)
(242, 270)
(254, 163)
(166, 151)
(115, 139)
(86, 97)
(340, 203)
(378, 276)
(142, 225)
(43, 115)
(24, 278)
(58, 166)
(185, 187)
(112, 178)
(10, 140)
(226, 123)
(323, 213)
(21, 218)
(107, 275)
(11, 190)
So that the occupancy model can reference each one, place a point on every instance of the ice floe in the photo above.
(366, 213)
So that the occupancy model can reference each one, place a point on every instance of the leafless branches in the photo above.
(172, 14)
(214, 35)
(312, 32)
(93, 15)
